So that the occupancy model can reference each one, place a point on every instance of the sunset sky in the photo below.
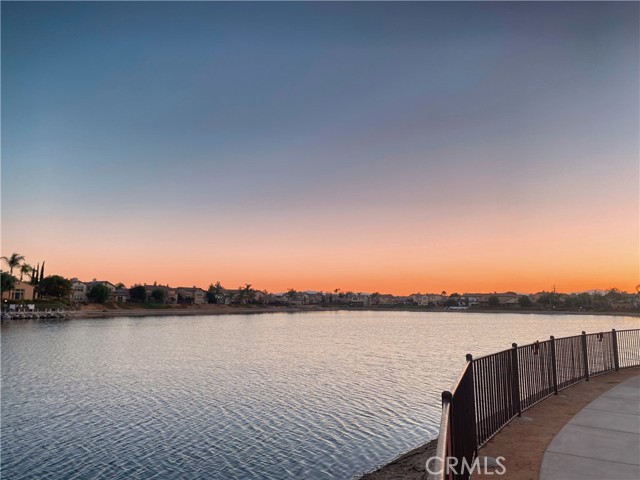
(392, 147)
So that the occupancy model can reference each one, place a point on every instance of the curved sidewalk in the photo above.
(601, 442)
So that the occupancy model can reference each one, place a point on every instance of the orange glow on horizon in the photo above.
(483, 252)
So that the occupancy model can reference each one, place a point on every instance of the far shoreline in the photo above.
(213, 309)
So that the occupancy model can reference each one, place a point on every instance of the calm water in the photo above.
(274, 396)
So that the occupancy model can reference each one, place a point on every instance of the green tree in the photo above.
(158, 295)
(214, 292)
(613, 295)
(549, 299)
(138, 293)
(583, 300)
(494, 301)
(291, 294)
(524, 301)
(99, 293)
(451, 303)
(13, 261)
(55, 286)
(7, 282)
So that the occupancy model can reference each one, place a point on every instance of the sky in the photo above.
(390, 147)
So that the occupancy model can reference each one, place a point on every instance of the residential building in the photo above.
(21, 291)
(191, 295)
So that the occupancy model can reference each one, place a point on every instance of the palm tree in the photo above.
(27, 269)
(13, 261)
(248, 292)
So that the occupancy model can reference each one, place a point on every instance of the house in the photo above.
(121, 295)
(191, 295)
(427, 299)
(170, 295)
(471, 299)
(505, 300)
(359, 299)
(384, 299)
(79, 291)
(109, 285)
(21, 291)
(315, 298)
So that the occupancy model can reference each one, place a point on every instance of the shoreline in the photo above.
(213, 309)
(406, 465)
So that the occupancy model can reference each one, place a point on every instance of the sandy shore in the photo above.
(408, 466)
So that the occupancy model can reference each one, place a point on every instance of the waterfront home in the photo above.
(191, 295)
(121, 295)
(505, 300)
(79, 291)
(428, 299)
(359, 299)
(471, 299)
(383, 299)
(20, 291)
(170, 295)
(110, 286)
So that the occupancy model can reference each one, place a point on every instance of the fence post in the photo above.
(554, 367)
(515, 378)
(473, 405)
(614, 346)
(585, 355)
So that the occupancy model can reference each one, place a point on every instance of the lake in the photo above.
(273, 396)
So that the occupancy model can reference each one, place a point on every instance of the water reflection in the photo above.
(325, 395)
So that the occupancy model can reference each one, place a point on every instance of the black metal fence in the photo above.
(494, 389)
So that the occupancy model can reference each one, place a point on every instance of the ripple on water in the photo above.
(266, 397)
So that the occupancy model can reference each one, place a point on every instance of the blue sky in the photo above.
(224, 117)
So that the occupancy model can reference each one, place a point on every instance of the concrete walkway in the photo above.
(601, 442)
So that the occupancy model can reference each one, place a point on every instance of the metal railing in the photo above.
(494, 389)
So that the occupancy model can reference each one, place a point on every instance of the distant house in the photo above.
(428, 299)
(79, 291)
(401, 300)
(191, 295)
(21, 291)
(121, 295)
(170, 294)
(384, 299)
(505, 300)
(277, 299)
(314, 298)
(359, 299)
(471, 299)
(109, 285)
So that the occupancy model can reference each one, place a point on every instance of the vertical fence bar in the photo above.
(614, 347)
(554, 364)
(515, 378)
(585, 355)
(472, 404)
